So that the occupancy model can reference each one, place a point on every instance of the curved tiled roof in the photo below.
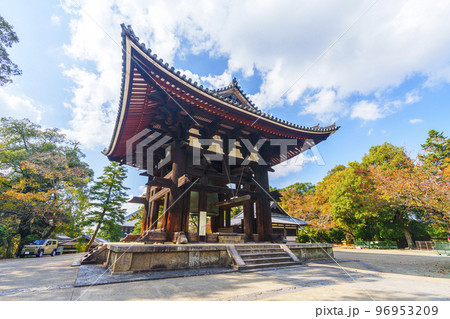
(215, 96)
(215, 92)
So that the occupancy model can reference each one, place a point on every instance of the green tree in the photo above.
(436, 149)
(111, 232)
(38, 167)
(300, 188)
(107, 197)
(76, 203)
(7, 38)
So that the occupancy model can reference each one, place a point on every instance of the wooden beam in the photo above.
(183, 180)
(160, 181)
(235, 201)
(223, 190)
(159, 194)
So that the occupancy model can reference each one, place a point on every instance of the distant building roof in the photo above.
(87, 238)
(130, 222)
(278, 217)
(62, 237)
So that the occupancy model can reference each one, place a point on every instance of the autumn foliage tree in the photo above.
(37, 167)
(386, 196)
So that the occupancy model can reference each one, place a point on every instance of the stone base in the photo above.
(306, 252)
(125, 258)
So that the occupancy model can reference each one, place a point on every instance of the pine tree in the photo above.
(437, 149)
(107, 196)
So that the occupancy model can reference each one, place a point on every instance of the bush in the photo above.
(3, 235)
(81, 247)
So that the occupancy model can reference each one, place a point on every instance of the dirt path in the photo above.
(415, 263)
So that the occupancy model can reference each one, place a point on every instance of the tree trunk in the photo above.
(93, 237)
(9, 247)
(408, 237)
(349, 237)
(23, 234)
(49, 232)
(400, 216)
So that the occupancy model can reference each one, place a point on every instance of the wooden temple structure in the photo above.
(157, 101)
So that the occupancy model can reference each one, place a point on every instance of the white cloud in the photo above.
(93, 106)
(390, 43)
(367, 111)
(324, 105)
(218, 81)
(415, 121)
(19, 106)
(412, 97)
(370, 131)
(370, 111)
(292, 165)
(55, 20)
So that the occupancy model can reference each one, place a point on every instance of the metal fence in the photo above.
(376, 244)
(425, 245)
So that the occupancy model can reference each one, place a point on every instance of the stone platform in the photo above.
(123, 258)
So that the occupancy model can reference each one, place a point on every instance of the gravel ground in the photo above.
(359, 275)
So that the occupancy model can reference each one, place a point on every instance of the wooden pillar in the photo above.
(174, 217)
(154, 209)
(263, 213)
(164, 217)
(228, 218)
(214, 223)
(145, 217)
(248, 216)
(221, 216)
(202, 202)
(185, 211)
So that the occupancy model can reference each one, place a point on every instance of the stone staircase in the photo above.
(95, 255)
(252, 257)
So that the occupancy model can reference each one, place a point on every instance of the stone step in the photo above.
(255, 251)
(246, 246)
(264, 255)
(272, 260)
(267, 265)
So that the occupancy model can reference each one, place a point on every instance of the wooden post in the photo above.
(145, 217)
(228, 218)
(174, 217)
(154, 209)
(263, 213)
(202, 199)
(221, 212)
(185, 211)
(214, 223)
(248, 216)
(164, 218)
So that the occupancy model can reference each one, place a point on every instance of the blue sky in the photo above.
(380, 70)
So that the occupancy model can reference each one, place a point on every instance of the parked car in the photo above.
(40, 247)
